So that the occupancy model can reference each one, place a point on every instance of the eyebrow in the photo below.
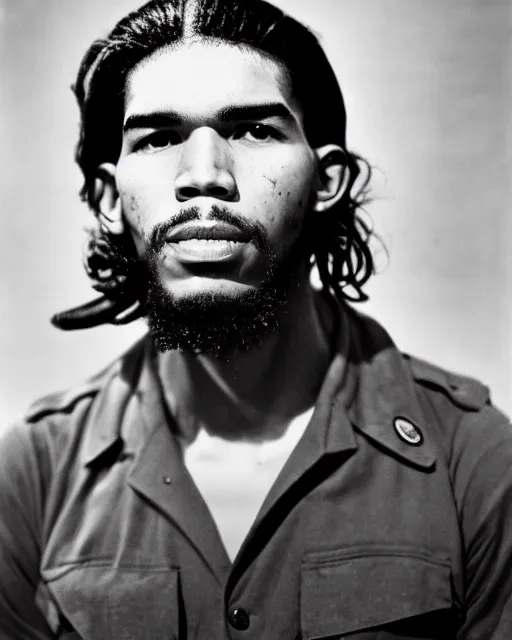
(233, 113)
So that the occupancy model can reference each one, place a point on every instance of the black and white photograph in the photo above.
(256, 339)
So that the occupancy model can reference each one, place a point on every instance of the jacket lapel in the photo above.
(159, 475)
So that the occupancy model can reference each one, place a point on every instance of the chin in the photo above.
(207, 287)
(199, 313)
(215, 320)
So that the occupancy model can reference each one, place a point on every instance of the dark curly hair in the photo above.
(339, 247)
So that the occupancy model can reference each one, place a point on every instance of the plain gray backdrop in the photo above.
(428, 91)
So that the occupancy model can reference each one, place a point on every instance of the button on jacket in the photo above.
(392, 517)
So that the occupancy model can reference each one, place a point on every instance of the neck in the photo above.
(255, 394)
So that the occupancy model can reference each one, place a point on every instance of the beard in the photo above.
(217, 323)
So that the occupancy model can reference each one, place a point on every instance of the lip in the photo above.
(196, 250)
(207, 231)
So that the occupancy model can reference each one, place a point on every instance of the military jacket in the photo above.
(392, 517)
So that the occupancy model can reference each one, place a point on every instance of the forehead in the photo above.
(200, 76)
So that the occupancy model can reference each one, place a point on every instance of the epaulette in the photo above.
(465, 392)
(65, 401)
(59, 402)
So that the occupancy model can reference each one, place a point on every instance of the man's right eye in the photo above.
(157, 141)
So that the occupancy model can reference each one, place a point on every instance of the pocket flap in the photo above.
(116, 603)
(350, 590)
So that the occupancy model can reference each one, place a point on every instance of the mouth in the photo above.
(206, 242)
(196, 250)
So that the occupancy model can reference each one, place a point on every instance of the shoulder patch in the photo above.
(467, 393)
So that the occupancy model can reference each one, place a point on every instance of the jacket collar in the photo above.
(115, 421)
(370, 386)
(385, 398)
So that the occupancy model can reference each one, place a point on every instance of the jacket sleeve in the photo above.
(482, 476)
(21, 503)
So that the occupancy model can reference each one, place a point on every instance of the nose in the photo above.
(205, 168)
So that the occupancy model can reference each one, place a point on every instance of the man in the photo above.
(265, 464)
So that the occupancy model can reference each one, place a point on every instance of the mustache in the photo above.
(253, 229)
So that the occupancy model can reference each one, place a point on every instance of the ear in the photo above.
(332, 176)
(107, 203)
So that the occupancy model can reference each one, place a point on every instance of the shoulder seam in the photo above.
(465, 392)
(38, 413)
(64, 401)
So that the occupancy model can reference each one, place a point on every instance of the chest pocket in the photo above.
(122, 603)
(371, 593)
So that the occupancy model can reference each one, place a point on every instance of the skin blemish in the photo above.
(133, 203)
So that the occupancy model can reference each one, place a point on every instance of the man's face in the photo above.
(215, 173)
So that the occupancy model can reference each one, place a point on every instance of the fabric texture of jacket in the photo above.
(392, 517)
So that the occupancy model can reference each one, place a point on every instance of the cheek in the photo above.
(141, 189)
(290, 197)
(133, 209)
(138, 195)
(135, 214)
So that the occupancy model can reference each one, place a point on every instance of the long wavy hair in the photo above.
(339, 247)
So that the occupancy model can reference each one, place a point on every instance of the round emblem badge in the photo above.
(408, 432)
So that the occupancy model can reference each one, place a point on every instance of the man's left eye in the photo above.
(256, 132)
